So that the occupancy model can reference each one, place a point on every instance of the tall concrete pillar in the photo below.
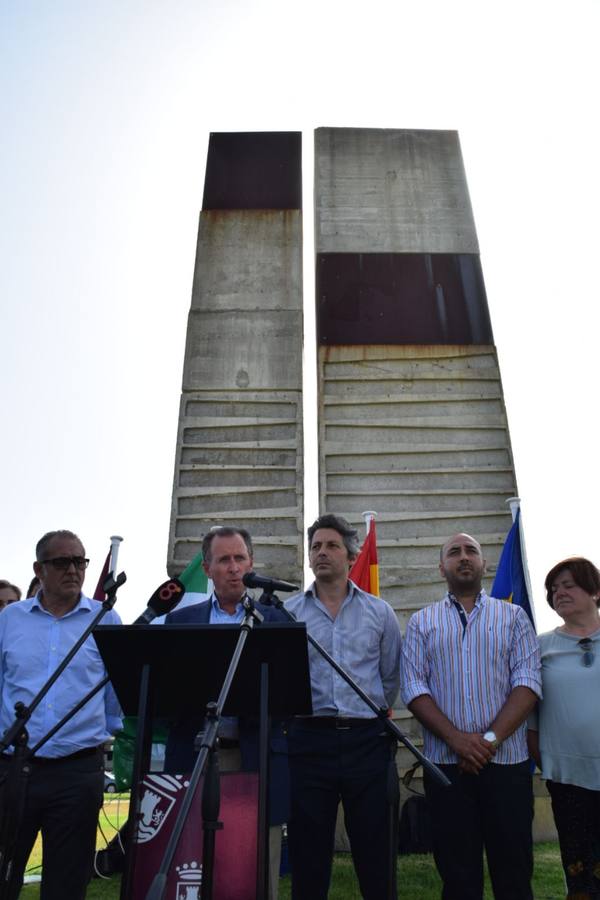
(412, 421)
(239, 444)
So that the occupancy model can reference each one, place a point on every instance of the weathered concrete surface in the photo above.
(411, 424)
(420, 435)
(391, 191)
(416, 431)
(239, 444)
(248, 259)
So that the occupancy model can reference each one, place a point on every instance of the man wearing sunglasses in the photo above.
(66, 780)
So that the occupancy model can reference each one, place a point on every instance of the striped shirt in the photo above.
(470, 671)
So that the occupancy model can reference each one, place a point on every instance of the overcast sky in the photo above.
(106, 110)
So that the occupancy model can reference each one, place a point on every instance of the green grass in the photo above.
(419, 880)
(417, 876)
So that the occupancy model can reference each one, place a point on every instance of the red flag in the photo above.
(365, 571)
(99, 593)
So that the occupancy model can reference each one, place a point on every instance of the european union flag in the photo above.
(510, 582)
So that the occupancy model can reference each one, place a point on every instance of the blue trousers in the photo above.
(354, 765)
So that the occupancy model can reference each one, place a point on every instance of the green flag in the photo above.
(194, 577)
(195, 581)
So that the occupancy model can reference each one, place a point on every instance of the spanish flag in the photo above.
(365, 571)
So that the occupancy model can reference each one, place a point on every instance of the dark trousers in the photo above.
(577, 816)
(357, 766)
(63, 801)
(492, 810)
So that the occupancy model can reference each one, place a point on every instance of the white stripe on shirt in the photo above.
(470, 672)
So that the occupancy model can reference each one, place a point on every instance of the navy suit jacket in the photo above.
(179, 754)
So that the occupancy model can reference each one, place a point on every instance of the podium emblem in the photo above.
(189, 880)
(158, 793)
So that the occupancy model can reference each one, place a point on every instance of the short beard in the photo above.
(462, 586)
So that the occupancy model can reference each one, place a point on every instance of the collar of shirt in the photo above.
(480, 599)
(82, 604)
(311, 592)
(218, 614)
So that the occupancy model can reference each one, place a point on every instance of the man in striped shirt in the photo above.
(471, 675)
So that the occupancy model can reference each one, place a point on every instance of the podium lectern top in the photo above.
(188, 664)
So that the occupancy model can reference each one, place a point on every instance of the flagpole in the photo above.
(368, 516)
(515, 505)
(115, 543)
(365, 569)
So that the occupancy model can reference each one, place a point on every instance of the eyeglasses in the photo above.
(586, 645)
(62, 563)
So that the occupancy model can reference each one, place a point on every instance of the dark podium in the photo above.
(173, 672)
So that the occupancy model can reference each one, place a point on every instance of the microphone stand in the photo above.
(211, 796)
(141, 620)
(271, 599)
(69, 715)
(13, 805)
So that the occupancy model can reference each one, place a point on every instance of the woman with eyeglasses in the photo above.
(564, 737)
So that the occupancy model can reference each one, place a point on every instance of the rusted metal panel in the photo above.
(254, 170)
(401, 298)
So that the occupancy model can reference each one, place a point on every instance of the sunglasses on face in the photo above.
(62, 563)
(587, 647)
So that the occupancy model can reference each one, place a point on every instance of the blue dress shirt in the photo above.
(218, 616)
(364, 638)
(33, 642)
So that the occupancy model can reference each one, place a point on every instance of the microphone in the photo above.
(163, 600)
(252, 580)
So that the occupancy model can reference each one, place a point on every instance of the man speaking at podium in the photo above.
(66, 782)
(228, 556)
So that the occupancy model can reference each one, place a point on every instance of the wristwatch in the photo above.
(490, 737)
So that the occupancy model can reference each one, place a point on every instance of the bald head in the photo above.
(459, 538)
(462, 565)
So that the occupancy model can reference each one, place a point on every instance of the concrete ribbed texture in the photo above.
(239, 444)
(415, 431)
